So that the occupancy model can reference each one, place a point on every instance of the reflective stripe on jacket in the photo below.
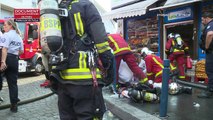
(118, 44)
(79, 69)
(154, 65)
(84, 15)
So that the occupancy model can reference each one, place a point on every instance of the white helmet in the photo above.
(177, 35)
(171, 35)
(173, 88)
(146, 51)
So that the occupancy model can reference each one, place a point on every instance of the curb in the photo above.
(27, 101)
(125, 111)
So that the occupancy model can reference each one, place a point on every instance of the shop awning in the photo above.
(172, 3)
(136, 9)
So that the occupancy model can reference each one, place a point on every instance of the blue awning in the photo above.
(173, 3)
(136, 9)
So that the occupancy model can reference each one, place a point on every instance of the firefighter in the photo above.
(176, 49)
(122, 51)
(79, 81)
(154, 67)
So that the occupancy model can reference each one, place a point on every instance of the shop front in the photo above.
(143, 32)
(137, 24)
(181, 21)
(183, 17)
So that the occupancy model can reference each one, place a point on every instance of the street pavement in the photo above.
(37, 103)
(44, 107)
(180, 107)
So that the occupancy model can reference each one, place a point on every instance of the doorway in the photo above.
(185, 29)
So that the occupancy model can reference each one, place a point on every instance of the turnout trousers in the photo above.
(180, 59)
(76, 102)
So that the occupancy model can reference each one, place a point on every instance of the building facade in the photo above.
(7, 6)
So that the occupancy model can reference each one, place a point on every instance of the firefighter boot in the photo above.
(187, 90)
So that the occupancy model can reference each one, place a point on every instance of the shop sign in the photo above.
(26, 15)
(179, 15)
(116, 3)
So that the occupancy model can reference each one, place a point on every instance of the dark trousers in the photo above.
(11, 74)
(209, 70)
(77, 102)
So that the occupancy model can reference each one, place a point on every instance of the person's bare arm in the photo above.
(3, 59)
(209, 38)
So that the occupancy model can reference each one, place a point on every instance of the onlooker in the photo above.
(122, 51)
(12, 47)
(176, 50)
(207, 46)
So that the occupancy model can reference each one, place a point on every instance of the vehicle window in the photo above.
(21, 26)
(30, 31)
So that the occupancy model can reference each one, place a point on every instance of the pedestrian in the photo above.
(176, 50)
(79, 81)
(122, 51)
(207, 46)
(12, 47)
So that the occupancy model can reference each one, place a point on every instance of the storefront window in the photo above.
(143, 32)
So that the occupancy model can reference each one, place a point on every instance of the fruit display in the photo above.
(200, 69)
(143, 32)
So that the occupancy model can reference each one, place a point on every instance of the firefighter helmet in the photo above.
(135, 95)
(173, 88)
(146, 51)
(171, 35)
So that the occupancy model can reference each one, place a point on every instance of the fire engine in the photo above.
(31, 59)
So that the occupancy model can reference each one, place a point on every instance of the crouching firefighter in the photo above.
(78, 78)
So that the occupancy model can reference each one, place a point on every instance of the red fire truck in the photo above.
(31, 59)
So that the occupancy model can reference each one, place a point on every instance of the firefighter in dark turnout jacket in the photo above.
(79, 81)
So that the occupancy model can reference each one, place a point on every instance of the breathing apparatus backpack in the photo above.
(178, 42)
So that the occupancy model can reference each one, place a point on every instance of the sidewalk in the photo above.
(123, 109)
(29, 90)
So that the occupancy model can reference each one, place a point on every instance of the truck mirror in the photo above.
(35, 35)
